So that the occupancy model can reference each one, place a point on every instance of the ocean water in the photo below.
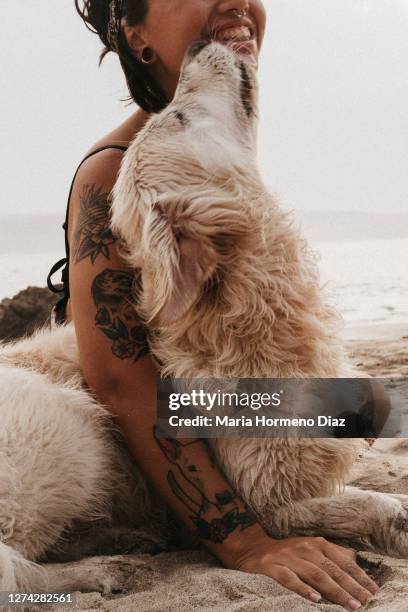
(367, 280)
(19, 270)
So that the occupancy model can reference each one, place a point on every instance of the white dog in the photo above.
(230, 289)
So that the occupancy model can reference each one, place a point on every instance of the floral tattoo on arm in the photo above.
(113, 291)
(93, 234)
(116, 316)
(214, 517)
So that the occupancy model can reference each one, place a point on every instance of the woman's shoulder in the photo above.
(100, 165)
(102, 160)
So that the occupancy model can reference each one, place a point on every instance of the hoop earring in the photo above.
(147, 56)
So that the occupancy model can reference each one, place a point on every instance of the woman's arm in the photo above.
(119, 371)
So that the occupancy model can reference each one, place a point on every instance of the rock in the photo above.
(26, 311)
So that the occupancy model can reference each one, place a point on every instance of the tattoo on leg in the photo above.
(116, 317)
(214, 518)
(92, 234)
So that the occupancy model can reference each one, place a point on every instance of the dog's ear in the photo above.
(175, 269)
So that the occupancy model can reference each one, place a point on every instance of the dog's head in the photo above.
(225, 85)
(181, 201)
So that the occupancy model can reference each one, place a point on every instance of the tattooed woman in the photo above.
(151, 38)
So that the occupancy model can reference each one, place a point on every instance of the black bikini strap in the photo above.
(57, 266)
(65, 224)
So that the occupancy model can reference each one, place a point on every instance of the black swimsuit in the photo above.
(60, 307)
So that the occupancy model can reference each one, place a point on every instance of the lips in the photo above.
(240, 35)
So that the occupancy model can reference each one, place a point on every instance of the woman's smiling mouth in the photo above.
(240, 37)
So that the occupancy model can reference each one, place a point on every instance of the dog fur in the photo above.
(230, 289)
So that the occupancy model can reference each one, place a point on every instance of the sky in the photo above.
(334, 103)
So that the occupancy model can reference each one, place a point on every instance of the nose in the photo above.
(242, 6)
(196, 47)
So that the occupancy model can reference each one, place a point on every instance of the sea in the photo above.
(366, 280)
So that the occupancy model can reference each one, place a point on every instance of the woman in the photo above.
(151, 38)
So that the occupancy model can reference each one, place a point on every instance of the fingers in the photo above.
(289, 580)
(348, 552)
(312, 568)
(333, 583)
(347, 581)
(348, 564)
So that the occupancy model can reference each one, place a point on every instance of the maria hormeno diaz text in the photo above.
(257, 421)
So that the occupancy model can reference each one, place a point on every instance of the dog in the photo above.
(230, 289)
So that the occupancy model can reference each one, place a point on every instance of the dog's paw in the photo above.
(105, 575)
(394, 526)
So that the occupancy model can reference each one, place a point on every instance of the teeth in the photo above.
(242, 33)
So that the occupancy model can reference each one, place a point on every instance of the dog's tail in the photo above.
(17, 574)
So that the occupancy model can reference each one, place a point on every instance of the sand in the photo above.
(186, 581)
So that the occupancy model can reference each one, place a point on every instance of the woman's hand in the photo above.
(312, 567)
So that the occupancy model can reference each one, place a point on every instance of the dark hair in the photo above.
(143, 87)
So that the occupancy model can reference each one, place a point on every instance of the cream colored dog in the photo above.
(230, 289)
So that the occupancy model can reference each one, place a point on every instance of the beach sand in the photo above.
(186, 581)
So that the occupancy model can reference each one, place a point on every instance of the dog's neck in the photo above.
(264, 318)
